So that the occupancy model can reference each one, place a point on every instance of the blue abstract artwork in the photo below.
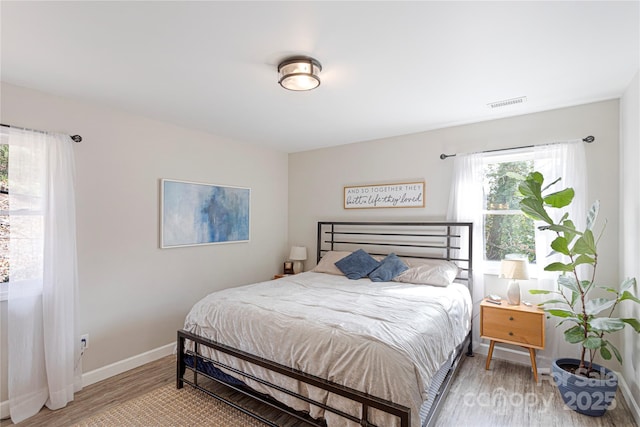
(203, 214)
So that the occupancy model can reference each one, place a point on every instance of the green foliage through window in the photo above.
(507, 230)
(4, 167)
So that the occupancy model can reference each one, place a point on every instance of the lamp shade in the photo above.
(298, 253)
(514, 269)
(299, 73)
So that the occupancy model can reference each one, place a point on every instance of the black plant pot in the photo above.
(588, 396)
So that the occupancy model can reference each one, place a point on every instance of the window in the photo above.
(506, 229)
(4, 213)
(21, 213)
(4, 219)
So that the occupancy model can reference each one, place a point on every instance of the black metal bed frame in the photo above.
(380, 238)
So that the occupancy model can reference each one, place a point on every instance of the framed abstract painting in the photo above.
(193, 213)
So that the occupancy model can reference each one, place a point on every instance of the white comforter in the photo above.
(386, 339)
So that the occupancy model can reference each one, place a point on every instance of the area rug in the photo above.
(168, 406)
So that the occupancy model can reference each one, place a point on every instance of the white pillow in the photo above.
(328, 261)
(428, 272)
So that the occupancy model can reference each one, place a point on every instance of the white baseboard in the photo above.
(504, 353)
(116, 368)
(4, 410)
(113, 369)
(634, 407)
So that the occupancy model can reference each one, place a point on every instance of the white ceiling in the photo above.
(389, 68)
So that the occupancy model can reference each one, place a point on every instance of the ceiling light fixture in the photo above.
(299, 73)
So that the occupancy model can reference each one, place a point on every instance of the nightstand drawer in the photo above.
(514, 326)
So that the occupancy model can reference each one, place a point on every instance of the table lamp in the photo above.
(298, 255)
(514, 269)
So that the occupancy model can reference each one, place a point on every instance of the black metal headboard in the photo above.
(451, 241)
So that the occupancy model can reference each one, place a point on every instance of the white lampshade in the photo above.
(514, 269)
(298, 253)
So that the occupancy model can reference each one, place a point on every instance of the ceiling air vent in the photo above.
(506, 102)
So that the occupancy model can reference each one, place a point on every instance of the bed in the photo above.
(332, 350)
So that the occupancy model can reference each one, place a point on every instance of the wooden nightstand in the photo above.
(280, 276)
(513, 324)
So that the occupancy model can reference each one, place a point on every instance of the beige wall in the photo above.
(630, 226)
(316, 178)
(133, 295)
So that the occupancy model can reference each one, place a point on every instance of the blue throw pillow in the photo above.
(357, 265)
(389, 268)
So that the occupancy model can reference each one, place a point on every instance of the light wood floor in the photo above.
(506, 395)
(105, 394)
(503, 396)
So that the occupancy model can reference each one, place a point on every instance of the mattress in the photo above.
(387, 339)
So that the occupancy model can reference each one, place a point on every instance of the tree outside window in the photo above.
(507, 230)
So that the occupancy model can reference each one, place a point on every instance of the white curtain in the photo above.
(43, 341)
(465, 205)
(564, 160)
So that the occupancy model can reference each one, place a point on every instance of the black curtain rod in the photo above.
(75, 138)
(589, 139)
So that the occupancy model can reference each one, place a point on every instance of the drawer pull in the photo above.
(510, 333)
(510, 317)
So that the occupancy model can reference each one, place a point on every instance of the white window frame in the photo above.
(516, 155)
(4, 286)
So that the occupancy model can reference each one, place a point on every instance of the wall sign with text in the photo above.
(401, 195)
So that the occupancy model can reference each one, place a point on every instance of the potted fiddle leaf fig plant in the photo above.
(585, 307)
